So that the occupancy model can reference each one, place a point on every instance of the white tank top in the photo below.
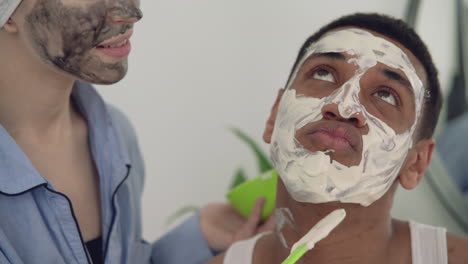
(428, 246)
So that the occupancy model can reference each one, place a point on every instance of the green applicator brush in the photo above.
(315, 234)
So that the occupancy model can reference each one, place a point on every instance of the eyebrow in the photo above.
(393, 75)
(330, 55)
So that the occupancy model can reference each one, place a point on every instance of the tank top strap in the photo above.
(428, 244)
(241, 252)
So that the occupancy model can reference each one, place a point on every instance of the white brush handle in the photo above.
(321, 230)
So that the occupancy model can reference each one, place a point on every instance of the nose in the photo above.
(331, 112)
(123, 12)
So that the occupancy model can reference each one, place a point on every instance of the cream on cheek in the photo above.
(311, 176)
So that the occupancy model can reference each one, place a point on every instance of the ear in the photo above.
(270, 124)
(416, 163)
(10, 26)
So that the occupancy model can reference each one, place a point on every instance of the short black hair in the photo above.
(401, 32)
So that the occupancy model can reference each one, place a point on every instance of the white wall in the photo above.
(436, 25)
(201, 66)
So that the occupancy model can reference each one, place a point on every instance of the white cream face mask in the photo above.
(312, 176)
(7, 7)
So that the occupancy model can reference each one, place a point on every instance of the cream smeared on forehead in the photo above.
(368, 49)
(310, 176)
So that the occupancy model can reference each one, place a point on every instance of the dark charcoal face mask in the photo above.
(66, 34)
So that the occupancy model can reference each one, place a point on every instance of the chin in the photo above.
(347, 159)
(93, 70)
(105, 81)
(106, 77)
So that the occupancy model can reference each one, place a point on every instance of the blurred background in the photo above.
(200, 67)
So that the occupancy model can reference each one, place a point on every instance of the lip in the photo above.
(116, 52)
(334, 135)
(117, 39)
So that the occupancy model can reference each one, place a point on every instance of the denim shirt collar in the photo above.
(18, 175)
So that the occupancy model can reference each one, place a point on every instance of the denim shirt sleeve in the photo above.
(183, 245)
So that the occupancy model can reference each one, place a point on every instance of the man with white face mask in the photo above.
(71, 173)
(355, 121)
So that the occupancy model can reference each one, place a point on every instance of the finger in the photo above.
(269, 225)
(255, 216)
(250, 226)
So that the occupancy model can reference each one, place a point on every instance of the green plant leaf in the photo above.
(263, 161)
(239, 178)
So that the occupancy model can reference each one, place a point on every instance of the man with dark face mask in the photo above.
(71, 173)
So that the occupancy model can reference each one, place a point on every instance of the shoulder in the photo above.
(124, 128)
(457, 249)
(127, 137)
(401, 243)
(120, 120)
(266, 249)
(243, 251)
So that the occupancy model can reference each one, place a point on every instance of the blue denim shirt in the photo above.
(38, 225)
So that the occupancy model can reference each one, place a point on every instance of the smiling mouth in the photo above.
(118, 46)
(119, 50)
(117, 40)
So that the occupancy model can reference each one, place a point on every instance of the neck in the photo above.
(34, 96)
(364, 235)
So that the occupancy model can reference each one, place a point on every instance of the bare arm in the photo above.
(457, 247)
